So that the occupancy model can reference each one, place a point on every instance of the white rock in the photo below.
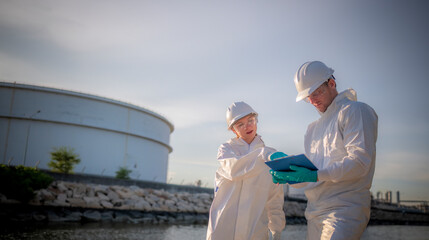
(62, 187)
(106, 204)
(90, 192)
(69, 193)
(140, 192)
(135, 197)
(163, 207)
(142, 205)
(112, 195)
(102, 196)
(62, 197)
(170, 203)
(76, 202)
(124, 194)
(153, 198)
(101, 188)
(92, 202)
(79, 191)
(46, 195)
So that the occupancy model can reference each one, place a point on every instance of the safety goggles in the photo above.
(251, 121)
(318, 92)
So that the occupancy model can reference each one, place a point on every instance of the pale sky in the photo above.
(189, 60)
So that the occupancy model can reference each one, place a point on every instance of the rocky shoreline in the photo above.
(65, 201)
(80, 202)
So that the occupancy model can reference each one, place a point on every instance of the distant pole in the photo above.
(389, 196)
(378, 196)
(286, 190)
(398, 199)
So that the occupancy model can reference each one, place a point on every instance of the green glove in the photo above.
(276, 179)
(276, 155)
(298, 174)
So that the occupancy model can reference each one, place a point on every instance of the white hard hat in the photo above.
(236, 111)
(309, 77)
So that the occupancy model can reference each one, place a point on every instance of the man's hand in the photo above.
(298, 174)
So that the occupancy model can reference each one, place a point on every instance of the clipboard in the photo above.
(282, 164)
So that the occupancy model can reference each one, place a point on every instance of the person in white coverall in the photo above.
(247, 204)
(341, 144)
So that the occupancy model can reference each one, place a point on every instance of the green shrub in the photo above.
(63, 160)
(123, 173)
(19, 182)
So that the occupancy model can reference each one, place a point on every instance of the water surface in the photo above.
(116, 231)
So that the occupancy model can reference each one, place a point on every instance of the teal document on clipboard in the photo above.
(282, 164)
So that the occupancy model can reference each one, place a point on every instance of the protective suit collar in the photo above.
(257, 142)
(349, 94)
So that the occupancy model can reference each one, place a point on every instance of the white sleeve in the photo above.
(359, 131)
(276, 214)
(299, 185)
(233, 167)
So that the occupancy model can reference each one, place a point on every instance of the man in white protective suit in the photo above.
(341, 144)
(247, 204)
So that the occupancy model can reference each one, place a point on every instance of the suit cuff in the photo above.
(323, 175)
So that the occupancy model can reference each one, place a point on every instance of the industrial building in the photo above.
(105, 133)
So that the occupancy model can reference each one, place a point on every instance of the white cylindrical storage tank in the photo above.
(106, 134)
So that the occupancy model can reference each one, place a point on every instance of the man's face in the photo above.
(323, 96)
(245, 128)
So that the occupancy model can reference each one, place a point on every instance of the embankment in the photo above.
(87, 198)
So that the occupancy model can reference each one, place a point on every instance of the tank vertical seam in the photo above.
(12, 98)
(126, 138)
